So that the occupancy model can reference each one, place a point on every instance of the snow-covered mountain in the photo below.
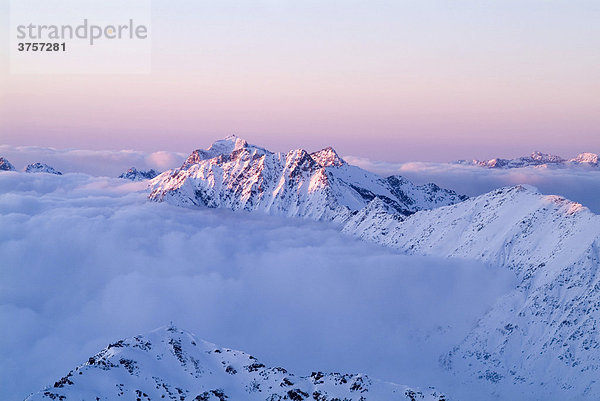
(41, 168)
(537, 159)
(5, 165)
(171, 364)
(540, 341)
(134, 174)
(544, 335)
(320, 185)
(547, 324)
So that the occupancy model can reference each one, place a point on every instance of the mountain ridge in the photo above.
(318, 185)
(538, 160)
(172, 364)
(552, 244)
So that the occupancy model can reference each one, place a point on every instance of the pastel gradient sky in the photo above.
(389, 80)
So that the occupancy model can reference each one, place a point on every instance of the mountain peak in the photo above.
(41, 168)
(228, 144)
(300, 159)
(327, 157)
(223, 147)
(586, 157)
(522, 188)
(546, 157)
(134, 174)
(5, 165)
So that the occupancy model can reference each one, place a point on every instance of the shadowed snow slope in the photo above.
(549, 322)
(171, 364)
(320, 185)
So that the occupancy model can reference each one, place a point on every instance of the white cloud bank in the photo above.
(110, 163)
(88, 260)
(579, 185)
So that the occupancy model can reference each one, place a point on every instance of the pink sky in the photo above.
(387, 80)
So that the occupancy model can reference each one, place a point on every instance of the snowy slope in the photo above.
(541, 337)
(171, 364)
(545, 333)
(537, 159)
(321, 186)
(41, 168)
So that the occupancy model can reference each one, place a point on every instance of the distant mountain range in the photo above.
(538, 159)
(132, 174)
(171, 364)
(5, 165)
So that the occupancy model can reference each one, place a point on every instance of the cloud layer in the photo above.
(579, 185)
(109, 163)
(88, 260)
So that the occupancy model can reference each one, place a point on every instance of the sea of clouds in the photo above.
(88, 260)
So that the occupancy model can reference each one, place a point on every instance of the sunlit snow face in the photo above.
(88, 260)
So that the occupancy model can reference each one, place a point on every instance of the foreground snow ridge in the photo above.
(171, 364)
